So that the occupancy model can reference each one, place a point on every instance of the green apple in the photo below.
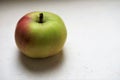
(40, 34)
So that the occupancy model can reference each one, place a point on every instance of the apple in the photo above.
(40, 34)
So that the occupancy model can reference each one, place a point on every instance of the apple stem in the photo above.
(41, 18)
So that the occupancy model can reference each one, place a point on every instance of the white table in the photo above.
(92, 49)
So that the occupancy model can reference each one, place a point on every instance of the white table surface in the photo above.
(92, 49)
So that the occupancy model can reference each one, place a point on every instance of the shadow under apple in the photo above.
(41, 65)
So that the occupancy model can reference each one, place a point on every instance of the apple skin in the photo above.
(40, 40)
